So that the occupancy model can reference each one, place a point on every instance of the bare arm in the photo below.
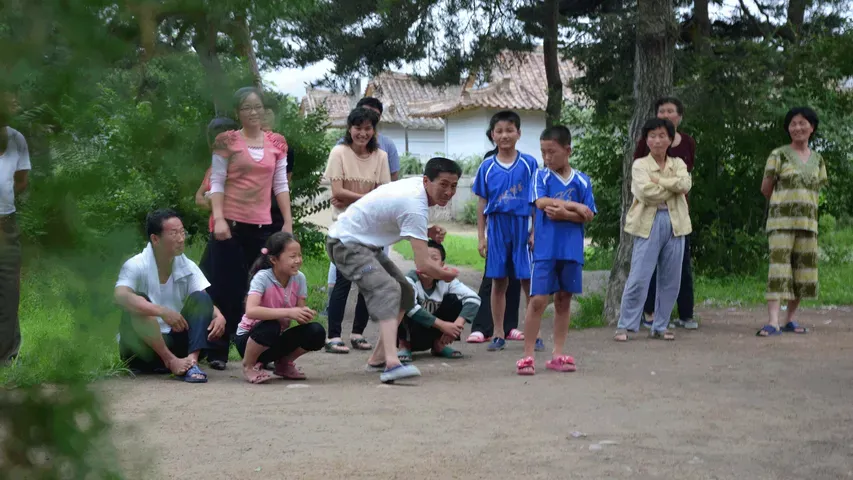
(21, 181)
(255, 311)
(347, 197)
(283, 200)
(200, 199)
(424, 263)
(481, 218)
(767, 186)
(135, 304)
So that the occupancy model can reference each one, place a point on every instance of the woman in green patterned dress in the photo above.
(793, 177)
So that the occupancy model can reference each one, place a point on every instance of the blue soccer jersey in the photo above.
(506, 189)
(559, 239)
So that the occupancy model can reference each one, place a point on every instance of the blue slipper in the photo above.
(769, 331)
(194, 370)
(794, 327)
(399, 372)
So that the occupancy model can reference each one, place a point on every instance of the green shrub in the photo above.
(469, 213)
(410, 165)
(827, 224)
(591, 312)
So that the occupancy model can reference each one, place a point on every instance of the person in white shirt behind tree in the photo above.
(439, 315)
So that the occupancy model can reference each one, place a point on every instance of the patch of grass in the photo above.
(598, 258)
(461, 251)
(67, 313)
(591, 312)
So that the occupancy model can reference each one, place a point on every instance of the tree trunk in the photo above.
(796, 15)
(702, 30)
(554, 108)
(243, 43)
(204, 43)
(653, 60)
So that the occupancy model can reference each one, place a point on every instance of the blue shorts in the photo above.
(551, 276)
(507, 237)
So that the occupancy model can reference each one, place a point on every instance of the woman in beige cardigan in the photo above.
(659, 221)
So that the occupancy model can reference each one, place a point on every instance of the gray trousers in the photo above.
(661, 250)
(10, 288)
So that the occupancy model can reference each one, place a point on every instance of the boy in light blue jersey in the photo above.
(503, 187)
(563, 200)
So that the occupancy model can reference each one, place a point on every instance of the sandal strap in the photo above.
(564, 360)
(525, 362)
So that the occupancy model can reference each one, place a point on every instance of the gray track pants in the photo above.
(665, 251)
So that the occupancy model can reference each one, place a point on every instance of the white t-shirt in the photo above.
(15, 159)
(386, 215)
(140, 274)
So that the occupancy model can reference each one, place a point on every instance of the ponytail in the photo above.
(275, 245)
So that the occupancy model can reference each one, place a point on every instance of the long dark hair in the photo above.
(358, 117)
(276, 244)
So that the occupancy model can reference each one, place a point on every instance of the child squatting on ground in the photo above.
(503, 217)
(439, 315)
(276, 298)
(563, 202)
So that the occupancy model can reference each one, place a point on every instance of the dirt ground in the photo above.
(717, 403)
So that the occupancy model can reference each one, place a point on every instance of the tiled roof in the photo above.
(398, 91)
(337, 105)
(517, 83)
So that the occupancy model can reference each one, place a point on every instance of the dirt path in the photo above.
(716, 404)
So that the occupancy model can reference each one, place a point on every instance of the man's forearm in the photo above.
(137, 305)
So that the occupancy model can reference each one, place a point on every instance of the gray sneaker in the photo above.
(688, 324)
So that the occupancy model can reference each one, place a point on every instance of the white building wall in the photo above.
(465, 133)
(426, 143)
(422, 143)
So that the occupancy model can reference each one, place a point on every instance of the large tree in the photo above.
(449, 39)
(653, 68)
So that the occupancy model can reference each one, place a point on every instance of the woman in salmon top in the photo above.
(249, 166)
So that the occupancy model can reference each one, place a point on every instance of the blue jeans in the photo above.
(197, 311)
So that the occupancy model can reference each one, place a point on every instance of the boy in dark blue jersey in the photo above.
(503, 187)
(564, 202)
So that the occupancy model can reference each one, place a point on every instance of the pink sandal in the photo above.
(515, 334)
(476, 337)
(563, 363)
(525, 366)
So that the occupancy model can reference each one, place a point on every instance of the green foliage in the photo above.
(736, 98)
(461, 251)
(597, 151)
(469, 212)
(470, 164)
(598, 258)
(591, 312)
(410, 165)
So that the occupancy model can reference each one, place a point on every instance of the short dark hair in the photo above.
(439, 247)
(807, 113)
(357, 117)
(219, 125)
(242, 94)
(154, 221)
(503, 116)
(656, 123)
(370, 102)
(559, 134)
(438, 165)
(679, 107)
